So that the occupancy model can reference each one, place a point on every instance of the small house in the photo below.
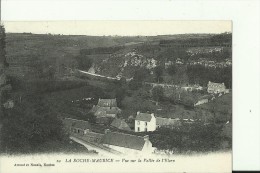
(83, 130)
(77, 126)
(106, 108)
(145, 122)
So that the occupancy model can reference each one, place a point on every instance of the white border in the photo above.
(245, 16)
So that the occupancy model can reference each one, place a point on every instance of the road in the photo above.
(101, 152)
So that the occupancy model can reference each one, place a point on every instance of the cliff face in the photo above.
(123, 64)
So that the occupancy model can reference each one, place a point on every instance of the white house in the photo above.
(216, 88)
(127, 143)
(145, 122)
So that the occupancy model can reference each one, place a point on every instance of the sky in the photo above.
(120, 28)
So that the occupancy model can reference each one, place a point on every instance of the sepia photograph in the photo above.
(71, 88)
(129, 86)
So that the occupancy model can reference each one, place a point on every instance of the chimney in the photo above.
(138, 112)
(146, 138)
(107, 131)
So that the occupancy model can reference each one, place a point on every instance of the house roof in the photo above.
(124, 140)
(144, 117)
(103, 111)
(120, 124)
(103, 120)
(77, 123)
(107, 103)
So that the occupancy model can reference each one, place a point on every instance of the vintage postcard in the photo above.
(116, 96)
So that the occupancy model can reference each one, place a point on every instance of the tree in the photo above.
(120, 94)
(142, 93)
(141, 74)
(172, 70)
(84, 62)
(90, 117)
(31, 126)
(3, 62)
(139, 77)
(158, 72)
(157, 93)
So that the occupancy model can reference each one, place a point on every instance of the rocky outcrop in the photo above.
(123, 64)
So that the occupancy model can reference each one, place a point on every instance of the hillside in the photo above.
(49, 79)
(210, 60)
(33, 54)
(26, 52)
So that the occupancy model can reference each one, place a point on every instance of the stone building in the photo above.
(105, 110)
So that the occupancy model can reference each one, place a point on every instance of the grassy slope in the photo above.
(23, 49)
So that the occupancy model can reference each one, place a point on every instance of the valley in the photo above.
(166, 75)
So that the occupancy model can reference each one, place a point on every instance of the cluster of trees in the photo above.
(172, 69)
(139, 77)
(157, 94)
(176, 75)
(2, 47)
(190, 138)
(199, 74)
(84, 62)
(33, 126)
(158, 71)
(184, 97)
